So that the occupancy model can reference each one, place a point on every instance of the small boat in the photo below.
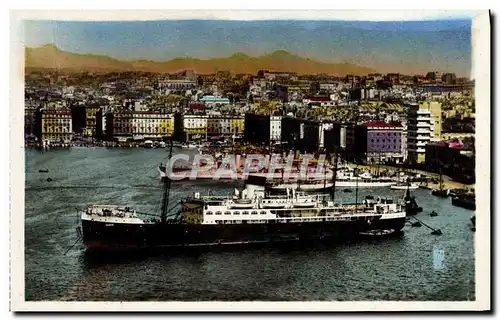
(242, 204)
(347, 190)
(49, 179)
(148, 144)
(433, 213)
(416, 224)
(440, 192)
(43, 170)
(437, 232)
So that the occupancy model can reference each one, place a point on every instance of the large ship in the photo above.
(249, 216)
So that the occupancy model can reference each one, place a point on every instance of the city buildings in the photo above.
(358, 115)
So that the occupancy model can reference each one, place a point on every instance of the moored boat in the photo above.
(467, 201)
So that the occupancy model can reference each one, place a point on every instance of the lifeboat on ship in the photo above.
(242, 204)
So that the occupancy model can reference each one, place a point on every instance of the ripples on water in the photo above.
(394, 269)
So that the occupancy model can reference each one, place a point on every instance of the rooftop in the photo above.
(381, 124)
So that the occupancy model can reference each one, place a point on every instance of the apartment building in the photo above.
(275, 129)
(55, 125)
(420, 131)
(225, 125)
(138, 125)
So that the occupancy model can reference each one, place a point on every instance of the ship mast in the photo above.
(356, 177)
(166, 187)
(334, 174)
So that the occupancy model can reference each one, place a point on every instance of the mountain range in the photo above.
(51, 57)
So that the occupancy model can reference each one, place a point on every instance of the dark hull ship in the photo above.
(465, 201)
(248, 217)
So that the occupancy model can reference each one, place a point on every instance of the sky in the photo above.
(387, 46)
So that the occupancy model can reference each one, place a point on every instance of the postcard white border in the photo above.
(481, 62)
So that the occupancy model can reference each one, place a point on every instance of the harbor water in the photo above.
(415, 266)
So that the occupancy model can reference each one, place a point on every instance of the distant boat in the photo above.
(433, 213)
(304, 187)
(440, 192)
(404, 186)
(43, 170)
(148, 144)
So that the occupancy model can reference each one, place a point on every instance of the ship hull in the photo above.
(99, 235)
(464, 203)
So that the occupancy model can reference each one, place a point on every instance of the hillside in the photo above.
(51, 57)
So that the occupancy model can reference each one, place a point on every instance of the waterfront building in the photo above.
(383, 142)
(275, 129)
(355, 143)
(55, 125)
(419, 133)
(190, 126)
(332, 136)
(452, 159)
(257, 128)
(119, 125)
(90, 119)
(138, 125)
(30, 108)
(225, 125)
(300, 134)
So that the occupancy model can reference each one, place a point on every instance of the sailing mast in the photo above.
(334, 176)
(356, 177)
(166, 187)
